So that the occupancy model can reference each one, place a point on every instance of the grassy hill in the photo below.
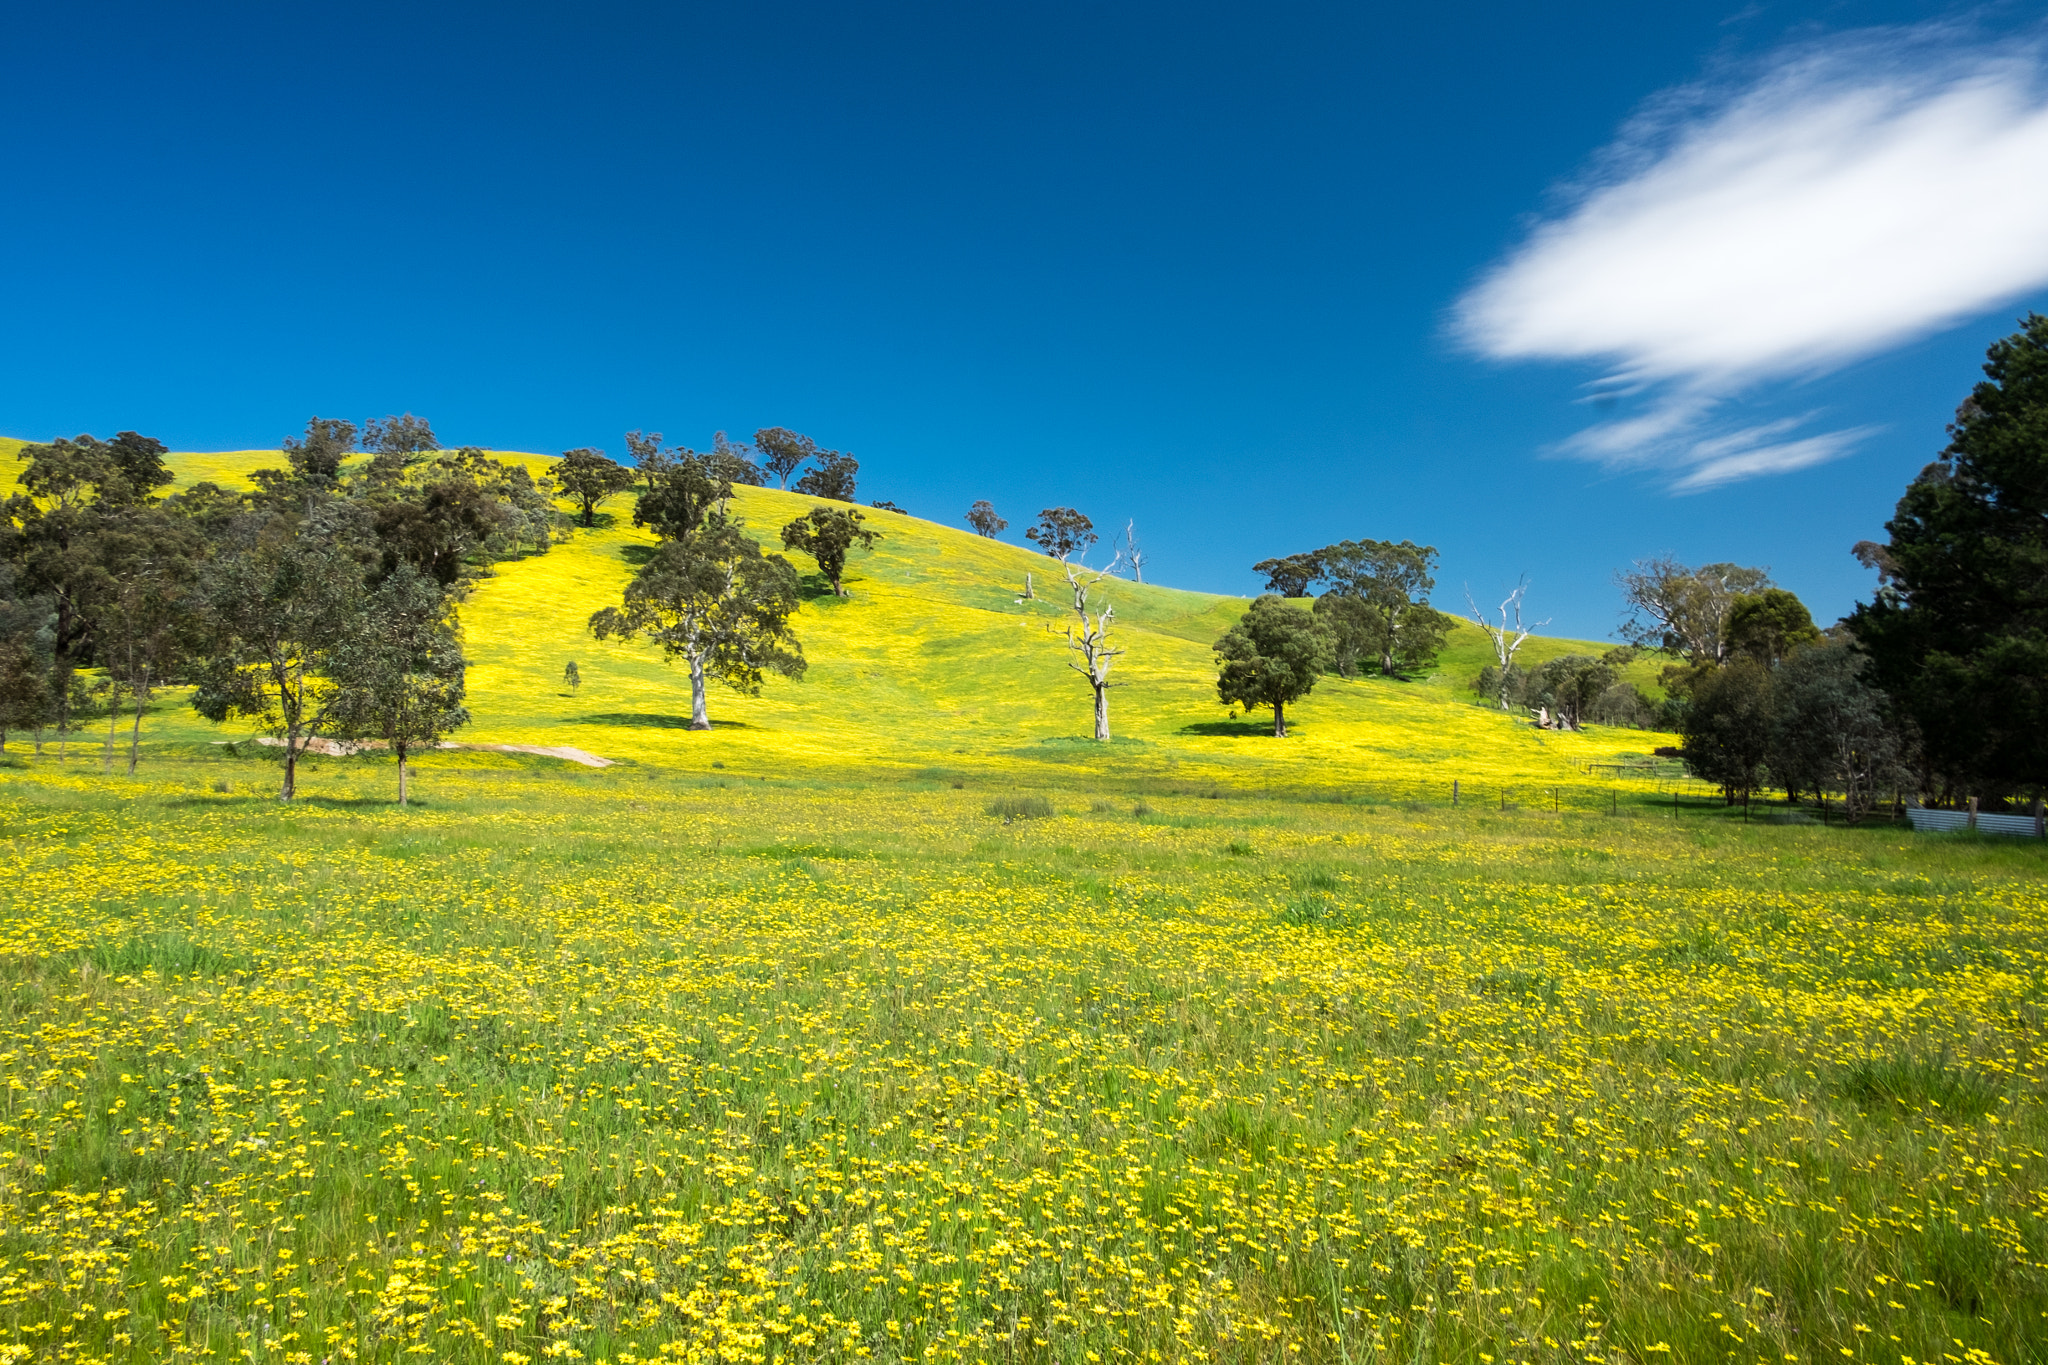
(934, 670)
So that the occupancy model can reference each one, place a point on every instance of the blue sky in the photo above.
(1551, 288)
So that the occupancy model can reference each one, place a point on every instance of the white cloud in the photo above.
(1839, 200)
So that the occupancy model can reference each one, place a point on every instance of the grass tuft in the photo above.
(1021, 807)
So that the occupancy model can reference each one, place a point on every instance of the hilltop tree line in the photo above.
(591, 478)
(320, 602)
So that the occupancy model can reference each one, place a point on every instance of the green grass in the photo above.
(597, 1061)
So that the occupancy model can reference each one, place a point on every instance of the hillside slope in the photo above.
(934, 669)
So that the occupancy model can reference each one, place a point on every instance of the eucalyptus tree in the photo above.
(783, 452)
(1394, 580)
(1062, 533)
(592, 479)
(831, 477)
(399, 669)
(714, 600)
(1272, 657)
(983, 520)
(279, 616)
(826, 534)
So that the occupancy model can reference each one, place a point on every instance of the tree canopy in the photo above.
(684, 489)
(1769, 625)
(591, 478)
(982, 519)
(1291, 575)
(1958, 635)
(715, 601)
(1271, 657)
(1062, 532)
(1726, 727)
(1684, 611)
(831, 477)
(783, 452)
(826, 534)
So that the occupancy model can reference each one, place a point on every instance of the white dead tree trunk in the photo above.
(1506, 639)
(1088, 636)
(1132, 553)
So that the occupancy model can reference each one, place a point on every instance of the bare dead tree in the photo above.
(1133, 555)
(1506, 639)
(1088, 635)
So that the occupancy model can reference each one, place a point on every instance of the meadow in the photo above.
(621, 1066)
(891, 1021)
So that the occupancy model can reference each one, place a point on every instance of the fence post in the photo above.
(1973, 812)
(2040, 820)
(1454, 793)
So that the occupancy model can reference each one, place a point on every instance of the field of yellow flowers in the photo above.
(631, 1066)
(937, 666)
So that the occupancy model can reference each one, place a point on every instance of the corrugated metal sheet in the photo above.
(1987, 823)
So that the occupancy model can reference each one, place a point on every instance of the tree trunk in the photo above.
(1102, 710)
(1279, 720)
(699, 718)
(291, 765)
(135, 734)
(113, 729)
(403, 774)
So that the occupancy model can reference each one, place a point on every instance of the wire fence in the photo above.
(1627, 790)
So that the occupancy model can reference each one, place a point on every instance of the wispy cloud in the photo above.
(1830, 203)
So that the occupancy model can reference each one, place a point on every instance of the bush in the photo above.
(1020, 807)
